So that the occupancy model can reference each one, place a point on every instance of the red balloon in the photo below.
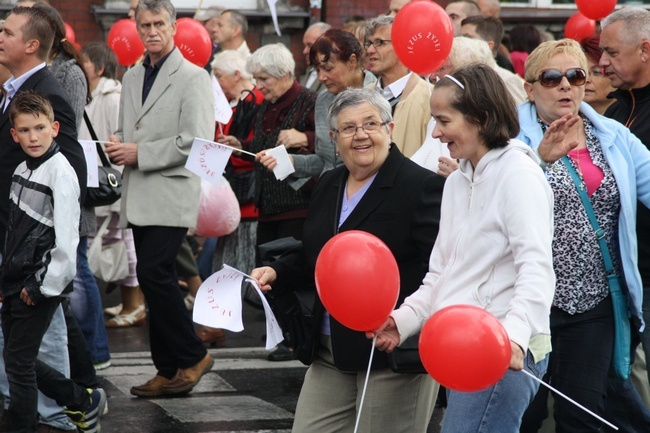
(69, 33)
(596, 9)
(124, 40)
(193, 41)
(579, 27)
(357, 280)
(422, 36)
(465, 348)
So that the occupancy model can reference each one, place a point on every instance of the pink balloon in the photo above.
(596, 9)
(357, 280)
(465, 348)
(193, 41)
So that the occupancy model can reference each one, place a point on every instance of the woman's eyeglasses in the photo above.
(369, 128)
(553, 77)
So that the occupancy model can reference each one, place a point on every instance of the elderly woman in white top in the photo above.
(494, 245)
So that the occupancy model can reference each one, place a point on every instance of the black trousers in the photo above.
(23, 327)
(173, 342)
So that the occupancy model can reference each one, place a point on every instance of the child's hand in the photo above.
(24, 296)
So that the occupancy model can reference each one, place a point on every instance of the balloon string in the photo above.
(429, 86)
(365, 383)
(572, 401)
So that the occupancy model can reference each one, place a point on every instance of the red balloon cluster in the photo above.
(193, 41)
(464, 348)
(357, 280)
(422, 36)
(124, 40)
(596, 9)
(579, 27)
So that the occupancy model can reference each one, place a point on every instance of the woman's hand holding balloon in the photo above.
(516, 357)
(387, 336)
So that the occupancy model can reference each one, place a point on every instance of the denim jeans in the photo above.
(52, 351)
(495, 409)
(86, 306)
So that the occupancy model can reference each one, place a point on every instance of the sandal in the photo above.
(137, 318)
(113, 311)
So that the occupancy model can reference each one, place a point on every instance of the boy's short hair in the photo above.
(30, 102)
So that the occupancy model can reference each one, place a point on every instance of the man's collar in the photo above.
(395, 88)
(147, 60)
(13, 84)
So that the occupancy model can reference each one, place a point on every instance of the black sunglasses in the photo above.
(553, 77)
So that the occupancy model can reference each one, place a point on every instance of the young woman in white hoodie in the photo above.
(494, 245)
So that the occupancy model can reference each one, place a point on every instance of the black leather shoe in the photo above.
(282, 353)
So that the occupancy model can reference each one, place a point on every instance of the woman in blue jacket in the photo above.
(614, 167)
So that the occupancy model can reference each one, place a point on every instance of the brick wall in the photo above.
(77, 14)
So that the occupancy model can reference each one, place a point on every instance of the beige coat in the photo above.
(412, 115)
(160, 190)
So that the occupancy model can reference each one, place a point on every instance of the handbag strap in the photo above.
(93, 135)
(600, 233)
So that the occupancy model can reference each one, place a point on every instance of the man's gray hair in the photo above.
(229, 62)
(239, 19)
(353, 97)
(636, 22)
(378, 22)
(323, 27)
(273, 59)
(157, 6)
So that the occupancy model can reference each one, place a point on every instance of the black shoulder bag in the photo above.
(110, 180)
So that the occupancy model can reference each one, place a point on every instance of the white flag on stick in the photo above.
(208, 160)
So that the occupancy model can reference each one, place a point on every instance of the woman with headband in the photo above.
(493, 248)
(613, 167)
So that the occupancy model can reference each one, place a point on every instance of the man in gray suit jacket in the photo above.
(165, 103)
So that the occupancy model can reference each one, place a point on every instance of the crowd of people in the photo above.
(516, 178)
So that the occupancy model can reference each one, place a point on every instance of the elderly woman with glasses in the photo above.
(380, 191)
(601, 157)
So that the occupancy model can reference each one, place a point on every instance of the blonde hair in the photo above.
(547, 50)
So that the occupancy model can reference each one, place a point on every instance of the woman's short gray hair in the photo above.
(467, 51)
(273, 59)
(229, 62)
(353, 97)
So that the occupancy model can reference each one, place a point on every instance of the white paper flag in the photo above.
(274, 15)
(90, 152)
(208, 160)
(222, 108)
(218, 304)
(284, 167)
(218, 301)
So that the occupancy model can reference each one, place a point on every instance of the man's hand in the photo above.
(122, 153)
(24, 296)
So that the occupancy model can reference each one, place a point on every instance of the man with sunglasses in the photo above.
(407, 93)
(625, 46)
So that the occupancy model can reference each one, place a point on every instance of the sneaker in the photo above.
(88, 421)
(102, 365)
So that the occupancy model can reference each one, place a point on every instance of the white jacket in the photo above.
(493, 248)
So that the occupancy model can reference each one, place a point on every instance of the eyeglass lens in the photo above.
(553, 77)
